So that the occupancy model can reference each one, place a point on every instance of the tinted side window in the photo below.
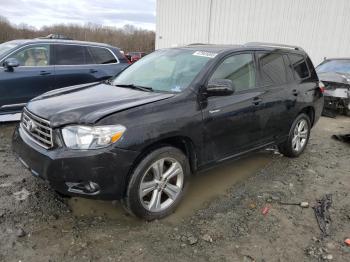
(38, 55)
(272, 69)
(239, 69)
(102, 56)
(72, 55)
(299, 66)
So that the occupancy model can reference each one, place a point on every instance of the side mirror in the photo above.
(220, 87)
(10, 63)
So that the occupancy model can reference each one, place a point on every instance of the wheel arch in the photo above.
(310, 112)
(183, 143)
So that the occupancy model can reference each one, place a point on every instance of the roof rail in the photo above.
(274, 45)
(56, 36)
(197, 44)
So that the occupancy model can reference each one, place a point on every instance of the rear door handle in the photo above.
(45, 73)
(257, 100)
(92, 71)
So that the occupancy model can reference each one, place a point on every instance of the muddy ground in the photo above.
(220, 219)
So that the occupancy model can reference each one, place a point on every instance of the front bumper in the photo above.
(342, 93)
(61, 167)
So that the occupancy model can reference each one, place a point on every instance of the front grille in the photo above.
(38, 129)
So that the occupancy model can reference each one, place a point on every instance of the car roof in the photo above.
(211, 48)
(59, 41)
(248, 46)
(337, 58)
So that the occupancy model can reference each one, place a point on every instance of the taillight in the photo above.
(321, 86)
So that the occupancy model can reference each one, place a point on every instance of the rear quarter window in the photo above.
(299, 66)
(102, 56)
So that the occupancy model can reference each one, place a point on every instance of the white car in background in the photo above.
(335, 75)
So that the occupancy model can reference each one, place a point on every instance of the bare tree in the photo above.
(128, 38)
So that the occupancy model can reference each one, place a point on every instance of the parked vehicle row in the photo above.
(135, 56)
(172, 114)
(29, 68)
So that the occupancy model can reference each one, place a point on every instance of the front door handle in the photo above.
(45, 73)
(214, 111)
(257, 100)
(295, 92)
(92, 71)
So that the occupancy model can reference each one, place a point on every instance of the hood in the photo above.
(86, 104)
(335, 77)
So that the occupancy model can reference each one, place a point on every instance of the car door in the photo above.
(106, 63)
(32, 77)
(73, 65)
(231, 123)
(277, 101)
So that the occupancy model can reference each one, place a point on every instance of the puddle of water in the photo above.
(96, 208)
(216, 182)
(202, 188)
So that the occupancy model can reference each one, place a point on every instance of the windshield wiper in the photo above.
(142, 88)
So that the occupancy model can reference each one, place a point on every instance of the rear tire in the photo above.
(157, 184)
(298, 137)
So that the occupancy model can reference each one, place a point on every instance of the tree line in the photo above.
(127, 38)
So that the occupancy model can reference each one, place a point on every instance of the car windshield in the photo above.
(338, 66)
(167, 70)
(5, 47)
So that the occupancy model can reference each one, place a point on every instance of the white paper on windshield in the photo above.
(205, 54)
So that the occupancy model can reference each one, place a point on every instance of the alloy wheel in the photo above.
(301, 132)
(161, 184)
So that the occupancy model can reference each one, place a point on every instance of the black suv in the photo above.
(29, 68)
(170, 115)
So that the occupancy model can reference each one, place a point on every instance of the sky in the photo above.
(37, 13)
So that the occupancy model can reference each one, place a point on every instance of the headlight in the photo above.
(87, 137)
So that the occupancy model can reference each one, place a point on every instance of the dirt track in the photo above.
(220, 219)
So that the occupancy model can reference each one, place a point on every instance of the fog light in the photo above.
(83, 188)
(92, 187)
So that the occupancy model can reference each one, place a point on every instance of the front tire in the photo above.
(157, 184)
(298, 138)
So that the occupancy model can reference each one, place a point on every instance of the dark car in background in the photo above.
(335, 75)
(174, 113)
(135, 56)
(29, 68)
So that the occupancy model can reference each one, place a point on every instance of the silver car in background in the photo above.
(335, 75)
